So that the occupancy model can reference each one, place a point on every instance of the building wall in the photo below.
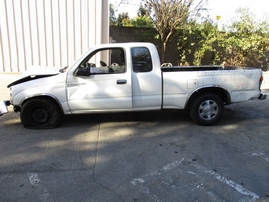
(49, 32)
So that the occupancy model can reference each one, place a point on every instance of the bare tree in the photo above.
(169, 15)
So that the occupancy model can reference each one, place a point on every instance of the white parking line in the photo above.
(230, 183)
(6, 176)
(42, 192)
(261, 155)
(141, 181)
(165, 168)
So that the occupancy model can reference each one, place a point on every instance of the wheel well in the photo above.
(45, 97)
(222, 93)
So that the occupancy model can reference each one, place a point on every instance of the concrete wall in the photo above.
(134, 34)
(49, 32)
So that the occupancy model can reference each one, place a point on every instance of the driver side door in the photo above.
(104, 85)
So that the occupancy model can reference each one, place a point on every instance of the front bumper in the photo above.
(263, 96)
(3, 107)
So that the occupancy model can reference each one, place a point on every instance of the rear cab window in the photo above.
(141, 59)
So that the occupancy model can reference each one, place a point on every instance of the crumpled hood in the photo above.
(35, 72)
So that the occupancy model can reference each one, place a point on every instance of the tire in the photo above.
(40, 114)
(207, 109)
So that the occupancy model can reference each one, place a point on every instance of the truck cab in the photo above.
(118, 78)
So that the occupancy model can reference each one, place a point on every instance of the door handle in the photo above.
(121, 81)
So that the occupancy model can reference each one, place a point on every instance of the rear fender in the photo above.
(218, 90)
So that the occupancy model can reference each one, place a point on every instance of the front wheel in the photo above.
(40, 114)
(207, 109)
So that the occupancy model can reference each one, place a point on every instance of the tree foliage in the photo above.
(244, 43)
(142, 21)
(168, 16)
(123, 19)
(197, 39)
(112, 15)
(248, 41)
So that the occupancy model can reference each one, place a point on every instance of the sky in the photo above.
(224, 8)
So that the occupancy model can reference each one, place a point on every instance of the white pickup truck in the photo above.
(128, 77)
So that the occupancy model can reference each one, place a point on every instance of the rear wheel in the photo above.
(40, 114)
(207, 109)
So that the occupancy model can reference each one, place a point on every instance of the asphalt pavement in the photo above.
(145, 156)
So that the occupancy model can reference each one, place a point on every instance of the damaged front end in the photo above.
(34, 73)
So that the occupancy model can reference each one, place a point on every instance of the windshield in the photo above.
(66, 68)
(74, 63)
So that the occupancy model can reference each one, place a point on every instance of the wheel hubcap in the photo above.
(208, 110)
(40, 115)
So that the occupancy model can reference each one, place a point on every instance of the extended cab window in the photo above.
(141, 59)
(103, 61)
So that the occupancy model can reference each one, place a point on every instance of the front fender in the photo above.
(44, 96)
(53, 88)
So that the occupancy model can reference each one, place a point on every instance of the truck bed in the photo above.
(202, 68)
